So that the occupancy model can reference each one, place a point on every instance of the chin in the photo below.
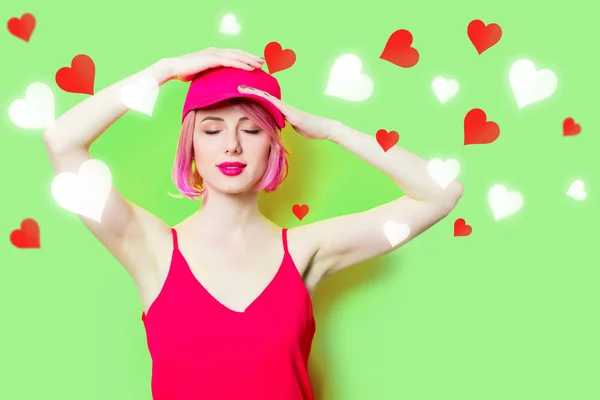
(234, 189)
(239, 184)
(232, 185)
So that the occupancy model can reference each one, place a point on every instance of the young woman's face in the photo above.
(224, 135)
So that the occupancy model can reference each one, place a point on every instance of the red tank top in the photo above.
(202, 350)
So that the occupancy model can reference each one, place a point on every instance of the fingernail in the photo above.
(244, 87)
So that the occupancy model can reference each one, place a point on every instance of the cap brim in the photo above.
(208, 101)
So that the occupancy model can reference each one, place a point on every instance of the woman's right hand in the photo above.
(185, 67)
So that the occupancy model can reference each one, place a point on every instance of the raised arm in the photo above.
(126, 230)
(130, 233)
(337, 243)
(347, 240)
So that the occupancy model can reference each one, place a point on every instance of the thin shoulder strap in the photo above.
(284, 239)
(174, 232)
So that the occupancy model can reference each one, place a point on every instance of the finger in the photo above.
(244, 88)
(244, 56)
(278, 103)
(249, 59)
(234, 56)
(259, 93)
(270, 96)
(232, 62)
(246, 60)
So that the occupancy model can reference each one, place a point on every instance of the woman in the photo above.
(226, 293)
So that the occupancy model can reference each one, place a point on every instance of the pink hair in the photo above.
(188, 180)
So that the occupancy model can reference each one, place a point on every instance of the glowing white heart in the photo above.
(443, 172)
(141, 95)
(530, 85)
(504, 203)
(346, 80)
(395, 232)
(36, 111)
(577, 190)
(229, 25)
(444, 89)
(86, 192)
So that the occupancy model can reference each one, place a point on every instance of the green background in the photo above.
(510, 312)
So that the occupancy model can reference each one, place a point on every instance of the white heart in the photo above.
(444, 89)
(36, 111)
(503, 202)
(395, 232)
(346, 80)
(443, 172)
(141, 95)
(530, 86)
(229, 25)
(577, 190)
(86, 192)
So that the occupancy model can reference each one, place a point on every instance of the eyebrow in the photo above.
(220, 119)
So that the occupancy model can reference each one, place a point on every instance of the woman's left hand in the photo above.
(308, 125)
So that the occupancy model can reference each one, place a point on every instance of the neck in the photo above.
(229, 215)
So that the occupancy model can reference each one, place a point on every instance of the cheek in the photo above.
(261, 149)
(202, 151)
(260, 159)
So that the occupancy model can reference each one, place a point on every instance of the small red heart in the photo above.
(386, 139)
(483, 37)
(300, 211)
(398, 49)
(278, 59)
(477, 130)
(570, 128)
(23, 27)
(461, 228)
(79, 78)
(28, 237)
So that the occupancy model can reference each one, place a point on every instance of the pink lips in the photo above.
(231, 168)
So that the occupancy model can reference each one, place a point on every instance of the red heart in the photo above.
(483, 37)
(398, 50)
(300, 211)
(386, 139)
(23, 27)
(278, 59)
(79, 78)
(477, 130)
(461, 228)
(28, 237)
(570, 128)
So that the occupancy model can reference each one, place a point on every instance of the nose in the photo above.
(232, 143)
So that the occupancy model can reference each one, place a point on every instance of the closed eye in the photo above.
(250, 131)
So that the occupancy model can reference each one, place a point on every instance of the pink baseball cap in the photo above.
(217, 84)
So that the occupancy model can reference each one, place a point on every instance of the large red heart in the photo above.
(300, 211)
(22, 27)
(79, 78)
(386, 139)
(483, 37)
(278, 59)
(570, 128)
(478, 130)
(398, 49)
(461, 228)
(28, 237)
